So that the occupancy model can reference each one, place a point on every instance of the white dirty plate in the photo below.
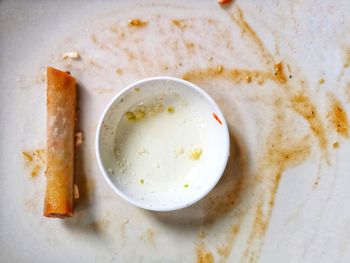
(278, 70)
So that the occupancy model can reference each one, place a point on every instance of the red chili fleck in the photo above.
(222, 2)
(217, 118)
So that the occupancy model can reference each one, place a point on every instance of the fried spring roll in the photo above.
(61, 110)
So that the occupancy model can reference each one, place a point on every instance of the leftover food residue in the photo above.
(71, 55)
(217, 118)
(137, 22)
(196, 154)
(35, 159)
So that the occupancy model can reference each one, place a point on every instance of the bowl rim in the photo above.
(146, 206)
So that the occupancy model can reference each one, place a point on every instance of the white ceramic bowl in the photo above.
(171, 154)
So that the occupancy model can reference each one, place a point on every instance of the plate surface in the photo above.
(279, 70)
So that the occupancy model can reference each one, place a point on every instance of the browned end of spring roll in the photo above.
(61, 110)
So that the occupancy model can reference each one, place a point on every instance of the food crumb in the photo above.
(279, 73)
(249, 78)
(136, 22)
(139, 114)
(219, 69)
(196, 154)
(186, 185)
(35, 170)
(335, 145)
(78, 138)
(76, 192)
(321, 81)
(137, 89)
(71, 55)
(142, 151)
(130, 116)
(170, 109)
(27, 156)
(142, 181)
(119, 71)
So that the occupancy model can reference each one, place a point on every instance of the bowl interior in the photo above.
(162, 144)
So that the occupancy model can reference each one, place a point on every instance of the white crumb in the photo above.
(71, 55)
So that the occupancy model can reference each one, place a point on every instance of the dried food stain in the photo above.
(35, 159)
(279, 73)
(180, 23)
(204, 256)
(302, 105)
(339, 118)
(148, 236)
(248, 30)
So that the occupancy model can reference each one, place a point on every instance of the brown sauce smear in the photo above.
(248, 30)
(224, 251)
(236, 75)
(302, 105)
(281, 153)
(339, 118)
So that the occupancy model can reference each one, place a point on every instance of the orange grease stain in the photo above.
(338, 117)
